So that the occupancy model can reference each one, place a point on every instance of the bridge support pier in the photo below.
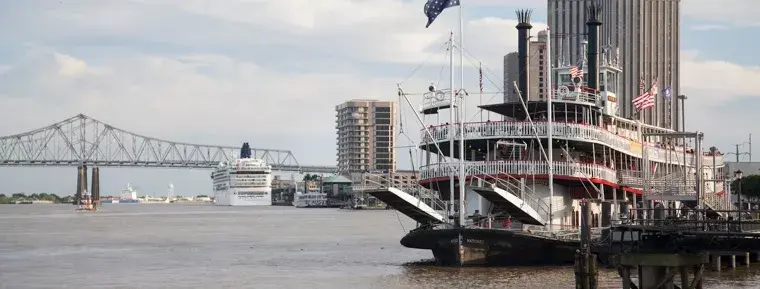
(81, 183)
(95, 187)
(658, 271)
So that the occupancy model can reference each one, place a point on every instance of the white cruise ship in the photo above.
(245, 182)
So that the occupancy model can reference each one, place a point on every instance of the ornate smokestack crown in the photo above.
(593, 11)
(523, 16)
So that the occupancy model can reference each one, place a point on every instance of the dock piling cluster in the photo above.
(586, 268)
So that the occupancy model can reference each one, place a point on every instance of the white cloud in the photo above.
(736, 12)
(724, 80)
(708, 27)
(268, 69)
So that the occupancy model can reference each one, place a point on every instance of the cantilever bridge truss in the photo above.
(82, 140)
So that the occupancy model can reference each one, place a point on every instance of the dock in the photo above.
(658, 250)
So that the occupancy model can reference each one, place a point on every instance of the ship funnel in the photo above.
(593, 23)
(523, 42)
(245, 151)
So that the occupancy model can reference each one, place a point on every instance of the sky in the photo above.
(270, 72)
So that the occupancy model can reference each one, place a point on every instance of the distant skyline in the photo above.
(270, 72)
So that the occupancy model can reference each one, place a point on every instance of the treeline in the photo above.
(12, 199)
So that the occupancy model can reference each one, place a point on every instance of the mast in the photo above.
(462, 114)
(550, 126)
(451, 122)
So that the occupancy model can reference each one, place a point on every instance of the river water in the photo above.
(204, 246)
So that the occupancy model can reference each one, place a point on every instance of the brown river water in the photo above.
(204, 246)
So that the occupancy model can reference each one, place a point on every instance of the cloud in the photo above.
(734, 12)
(725, 81)
(224, 72)
(708, 27)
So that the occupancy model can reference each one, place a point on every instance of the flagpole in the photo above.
(549, 126)
(480, 85)
(463, 111)
(452, 124)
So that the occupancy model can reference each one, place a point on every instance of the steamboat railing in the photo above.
(568, 131)
(428, 197)
(525, 193)
(569, 169)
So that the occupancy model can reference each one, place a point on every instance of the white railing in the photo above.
(578, 170)
(528, 196)
(569, 131)
(429, 197)
(577, 96)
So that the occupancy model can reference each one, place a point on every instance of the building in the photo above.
(399, 179)
(337, 187)
(646, 32)
(511, 74)
(537, 48)
(366, 136)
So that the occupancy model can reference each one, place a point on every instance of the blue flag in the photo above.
(433, 8)
(667, 93)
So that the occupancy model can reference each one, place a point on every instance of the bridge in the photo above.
(85, 141)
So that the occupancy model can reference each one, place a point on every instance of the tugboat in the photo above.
(521, 181)
(85, 202)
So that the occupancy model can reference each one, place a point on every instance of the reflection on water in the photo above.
(195, 246)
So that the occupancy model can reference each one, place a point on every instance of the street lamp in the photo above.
(683, 114)
(738, 174)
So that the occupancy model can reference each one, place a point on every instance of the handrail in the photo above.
(528, 196)
(571, 131)
(578, 170)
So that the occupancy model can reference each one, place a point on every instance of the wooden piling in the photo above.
(586, 269)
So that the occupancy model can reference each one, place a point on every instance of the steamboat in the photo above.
(513, 187)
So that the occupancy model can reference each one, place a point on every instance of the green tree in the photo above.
(750, 187)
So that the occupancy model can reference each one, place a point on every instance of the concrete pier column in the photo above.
(78, 194)
(81, 183)
(95, 187)
(733, 261)
(715, 262)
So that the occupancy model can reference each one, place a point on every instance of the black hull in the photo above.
(491, 247)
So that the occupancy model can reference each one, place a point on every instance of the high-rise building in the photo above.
(511, 74)
(646, 32)
(536, 50)
(366, 136)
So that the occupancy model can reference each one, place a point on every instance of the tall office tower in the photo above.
(511, 73)
(536, 50)
(366, 136)
(646, 32)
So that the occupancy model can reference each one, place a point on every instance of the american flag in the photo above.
(433, 8)
(646, 98)
(575, 72)
(480, 72)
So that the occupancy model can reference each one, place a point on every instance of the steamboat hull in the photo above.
(491, 247)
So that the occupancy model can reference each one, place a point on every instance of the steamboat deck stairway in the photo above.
(415, 202)
(519, 202)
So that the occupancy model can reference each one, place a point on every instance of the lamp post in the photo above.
(738, 174)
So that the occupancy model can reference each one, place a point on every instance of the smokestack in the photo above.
(593, 23)
(523, 42)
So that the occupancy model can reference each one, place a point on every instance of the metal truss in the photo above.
(82, 140)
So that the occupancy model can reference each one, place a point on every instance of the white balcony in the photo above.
(566, 131)
(567, 169)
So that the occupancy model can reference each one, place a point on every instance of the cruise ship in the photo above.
(244, 182)
(513, 188)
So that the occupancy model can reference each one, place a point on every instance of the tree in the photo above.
(750, 187)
